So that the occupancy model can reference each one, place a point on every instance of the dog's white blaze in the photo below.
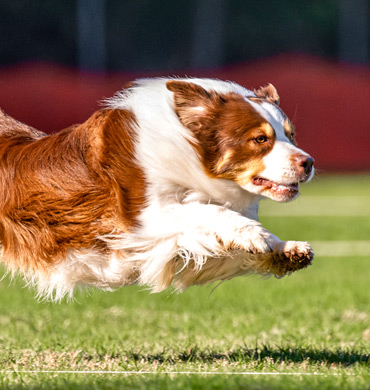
(273, 115)
(278, 163)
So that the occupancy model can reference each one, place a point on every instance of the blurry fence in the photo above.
(328, 103)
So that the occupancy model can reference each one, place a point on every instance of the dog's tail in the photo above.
(12, 127)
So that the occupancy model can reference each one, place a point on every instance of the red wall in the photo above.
(328, 103)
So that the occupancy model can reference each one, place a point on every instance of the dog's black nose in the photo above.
(305, 164)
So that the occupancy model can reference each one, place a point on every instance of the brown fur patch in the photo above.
(227, 128)
(63, 191)
(112, 151)
(289, 131)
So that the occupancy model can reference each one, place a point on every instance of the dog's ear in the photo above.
(269, 93)
(192, 102)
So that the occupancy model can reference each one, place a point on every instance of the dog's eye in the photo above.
(261, 139)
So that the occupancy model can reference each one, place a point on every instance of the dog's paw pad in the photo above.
(298, 254)
(298, 251)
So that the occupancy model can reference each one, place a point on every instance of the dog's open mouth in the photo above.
(286, 190)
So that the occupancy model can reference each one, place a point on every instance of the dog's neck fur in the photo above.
(173, 179)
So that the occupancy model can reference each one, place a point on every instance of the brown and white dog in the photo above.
(161, 187)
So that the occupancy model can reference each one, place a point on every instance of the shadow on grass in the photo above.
(263, 354)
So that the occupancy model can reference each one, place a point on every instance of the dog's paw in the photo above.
(295, 254)
(298, 251)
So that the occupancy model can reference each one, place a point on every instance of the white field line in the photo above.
(257, 373)
(318, 206)
(341, 248)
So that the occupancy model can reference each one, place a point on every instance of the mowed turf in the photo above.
(313, 325)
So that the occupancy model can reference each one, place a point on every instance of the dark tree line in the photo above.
(167, 34)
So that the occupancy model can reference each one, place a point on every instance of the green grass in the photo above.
(317, 320)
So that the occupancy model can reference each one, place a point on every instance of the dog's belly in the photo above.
(87, 267)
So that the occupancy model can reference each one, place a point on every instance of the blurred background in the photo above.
(58, 59)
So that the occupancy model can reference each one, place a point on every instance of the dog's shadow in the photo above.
(274, 355)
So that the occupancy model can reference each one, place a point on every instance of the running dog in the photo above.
(160, 187)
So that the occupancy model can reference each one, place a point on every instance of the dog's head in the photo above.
(243, 136)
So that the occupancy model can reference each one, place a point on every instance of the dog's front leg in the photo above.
(212, 227)
(187, 235)
(286, 258)
(202, 243)
(250, 248)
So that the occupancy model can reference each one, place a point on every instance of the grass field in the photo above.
(312, 328)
